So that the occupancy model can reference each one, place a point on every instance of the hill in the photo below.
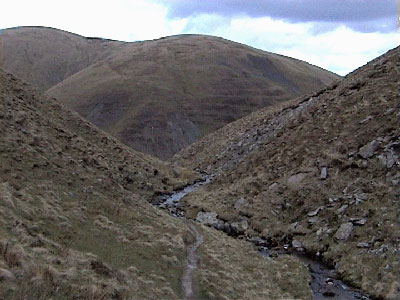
(76, 222)
(160, 96)
(156, 96)
(319, 173)
(45, 56)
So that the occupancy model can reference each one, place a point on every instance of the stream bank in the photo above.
(325, 282)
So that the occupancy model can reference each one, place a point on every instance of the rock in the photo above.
(368, 150)
(241, 203)
(296, 178)
(329, 294)
(344, 232)
(207, 218)
(313, 220)
(389, 111)
(297, 244)
(227, 228)
(239, 228)
(315, 212)
(365, 120)
(363, 245)
(358, 221)
(360, 197)
(387, 160)
(220, 225)
(6, 275)
(390, 160)
(258, 241)
(273, 186)
(342, 209)
(324, 173)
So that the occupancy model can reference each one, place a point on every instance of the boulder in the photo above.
(344, 232)
(207, 218)
(368, 150)
(240, 203)
(239, 228)
(296, 178)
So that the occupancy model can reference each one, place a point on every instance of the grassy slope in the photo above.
(273, 159)
(76, 224)
(159, 96)
(45, 56)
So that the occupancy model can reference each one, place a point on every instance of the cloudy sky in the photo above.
(339, 35)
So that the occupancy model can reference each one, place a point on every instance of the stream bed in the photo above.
(325, 282)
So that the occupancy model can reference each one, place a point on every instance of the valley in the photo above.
(192, 167)
(156, 96)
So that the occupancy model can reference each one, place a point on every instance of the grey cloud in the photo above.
(361, 15)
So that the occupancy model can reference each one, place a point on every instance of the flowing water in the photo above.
(325, 282)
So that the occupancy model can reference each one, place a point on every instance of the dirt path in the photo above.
(191, 263)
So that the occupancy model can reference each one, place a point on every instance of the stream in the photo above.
(325, 282)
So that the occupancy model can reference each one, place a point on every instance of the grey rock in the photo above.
(324, 173)
(296, 178)
(220, 225)
(358, 221)
(363, 245)
(239, 228)
(389, 111)
(258, 241)
(387, 160)
(342, 209)
(344, 232)
(382, 160)
(313, 220)
(273, 186)
(365, 120)
(390, 160)
(360, 197)
(6, 275)
(315, 212)
(207, 218)
(242, 202)
(368, 150)
(297, 244)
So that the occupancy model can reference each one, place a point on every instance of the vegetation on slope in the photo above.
(46, 56)
(76, 223)
(156, 96)
(320, 173)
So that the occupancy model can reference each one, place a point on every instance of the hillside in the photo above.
(319, 173)
(46, 56)
(76, 222)
(160, 96)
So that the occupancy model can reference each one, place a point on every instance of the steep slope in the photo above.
(160, 96)
(320, 173)
(46, 56)
(76, 223)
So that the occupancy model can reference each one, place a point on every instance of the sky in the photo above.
(338, 35)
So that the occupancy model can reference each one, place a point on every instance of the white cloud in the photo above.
(339, 49)
(118, 19)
